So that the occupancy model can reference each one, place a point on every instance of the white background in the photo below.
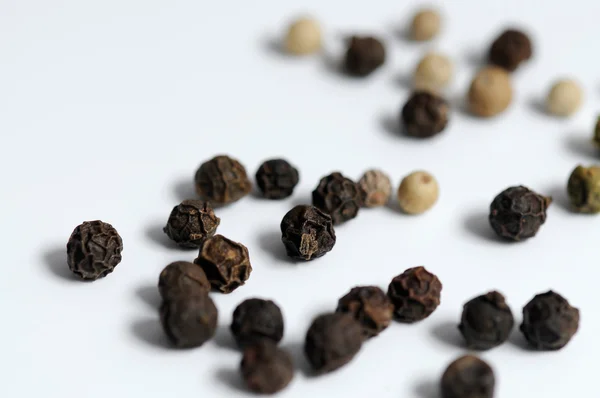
(108, 107)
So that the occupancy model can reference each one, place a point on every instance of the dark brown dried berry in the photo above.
(182, 279)
(338, 196)
(517, 213)
(226, 263)
(276, 179)
(364, 56)
(266, 368)
(332, 341)
(189, 321)
(257, 319)
(307, 232)
(424, 114)
(486, 321)
(370, 306)
(415, 294)
(549, 321)
(191, 222)
(222, 180)
(468, 377)
(510, 49)
(94, 250)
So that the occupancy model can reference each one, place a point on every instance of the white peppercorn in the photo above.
(433, 72)
(376, 188)
(564, 98)
(425, 25)
(490, 92)
(418, 192)
(303, 37)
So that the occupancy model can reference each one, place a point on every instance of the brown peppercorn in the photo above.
(266, 368)
(510, 49)
(225, 262)
(191, 222)
(425, 25)
(276, 179)
(222, 180)
(338, 196)
(182, 279)
(415, 294)
(94, 250)
(468, 377)
(256, 319)
(364, 56)
(424, 114)
(376, 188)
(584, 189)
(307, 232)
(189, 321)
(490, 92)
(370, 306)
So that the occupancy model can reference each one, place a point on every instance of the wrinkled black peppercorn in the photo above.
(222, 180)
(364, 56)
(307, 232)
(266, 368)
(189, 321)
(338, 196)
(182, 279)
(276, 179)
(370, 306)
(94, 250)
(415, 294)
(191, 222)
(486, 321)
(549, 321)
(510, 49)
(424, 114)
(257, 319)
(468, 377)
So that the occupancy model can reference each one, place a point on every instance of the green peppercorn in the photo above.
(597, 133)
(584, 189)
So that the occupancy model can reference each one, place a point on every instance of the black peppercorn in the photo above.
(266, 368)
(222, 180)
(276, 179)
(307, 232)
(257, 319)
(191, 222)
(370, 306)
(189, 321)
(94, 250)
(182, 279)
(517, 213)
(338, 196)
(510, 49)
(415, 294)
(486, 321)
(468, 377)
(549, 321)
(332, 341)
(364, 56)
(424, 114)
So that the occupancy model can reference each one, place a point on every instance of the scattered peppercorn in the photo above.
(510, 49)
(225, 262)
(490, 92)
(486, 321)
(596, 138)
(276, 179)
(584, 189)
(468, 377)
(189, 321)
(415, 294)
(425, 25)
(433, 72)
(418, 192)
(549, 321)
(564, 98)
(266, 368)
(307, 232)
(338, 196)
(424, 114)
(257, 319)
(376, 188)
(332, 341)
(517, 213)
(94, 250)
(370, 306)
(364, 56)
(303, 37)
(222, 180)
(191, 222)
(182, 279)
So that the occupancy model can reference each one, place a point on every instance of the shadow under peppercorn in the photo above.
(581, 145)
(149, 331)
(478, 224)
(55, 258)
(231, 377)
(427, 389)
(296, 351)
(518, 340)
(149, 295)
(154, 232)
(184, 189)
(270, 242)
(224, 339)
(447, 332)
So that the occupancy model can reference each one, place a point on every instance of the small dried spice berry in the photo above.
(596, 138)
(584, 189)
(276, 179)
(189, 321)
(182, 279)
(226, 263)
(486, 321)
(266, 368)
(517, 213)
(257, 319)
(510, 49)
(468, 377)
(94, 250)
(564, 98)
(549, 321)
(418, 192)
(303, 37)
(191, 222)
(433, 72)
(332, 341)
(364, 56)
(490, 92)
(415, 294)
(370, 306)
(338, 196)
(425, 25)
(222, 180)
(307, 232)
(425, 114)
(376, 188)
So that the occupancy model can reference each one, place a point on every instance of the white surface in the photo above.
(108, 108)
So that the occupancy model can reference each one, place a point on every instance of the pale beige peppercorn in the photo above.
(490, 92)
(376, 187)
(303, 37)
(564, 98)
(433, 72)
(418, 192)
(425, 25)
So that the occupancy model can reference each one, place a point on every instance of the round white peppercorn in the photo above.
(564, 98)
(418, 192)
(303, 37)
(433, 72)
(425, 25)
(376, 188)
(490, 92)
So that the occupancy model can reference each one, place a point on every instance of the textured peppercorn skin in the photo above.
(276, 179)
(255, 320)
(266, 368)
(424, 115)
(226, 263)
(338, 196)
(189, 321)
(486, 321)
(415, 294)
(510, 49)
(222, 180)
(468, 377)
(596, 138)
(364, 56)
(191, 222)
(94, 250)
(517, 213)
(307, 233)
(549, 321)
(584, 189)
(370, 306)
(182, 279)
